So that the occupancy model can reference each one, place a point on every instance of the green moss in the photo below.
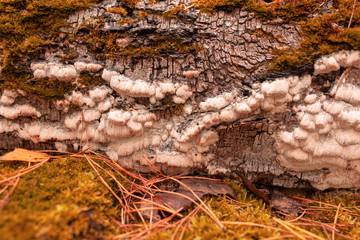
(179, 108)
(63, 199)
(350, 36)
(60, 200)
(44, 88)
(27, 24)
(89, 80)
(247, 209)
(322, 34)
(168, 104)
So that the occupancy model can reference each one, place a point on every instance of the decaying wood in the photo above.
(205, 112)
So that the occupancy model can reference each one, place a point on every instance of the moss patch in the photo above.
(44, 88)
(60, 200)
(118, 10)
(104, 43)
(322, 34)
(89, 80)
(64, 199)
(287, 10)
(161, 45)
(25, 25)
(247, 210)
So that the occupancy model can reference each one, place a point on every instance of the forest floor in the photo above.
(88, 196)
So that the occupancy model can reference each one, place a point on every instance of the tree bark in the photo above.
(210, 111)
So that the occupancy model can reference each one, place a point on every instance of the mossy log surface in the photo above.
(191, 86)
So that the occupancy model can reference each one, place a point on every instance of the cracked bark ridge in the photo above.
(206, 112)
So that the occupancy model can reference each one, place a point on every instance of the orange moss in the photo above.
(105, 44)
(118, 10)
(287, 10)
(89, 80)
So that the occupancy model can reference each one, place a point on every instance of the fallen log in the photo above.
(200, 103)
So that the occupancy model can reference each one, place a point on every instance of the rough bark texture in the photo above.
(214, 115)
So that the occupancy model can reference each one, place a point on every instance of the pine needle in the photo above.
(335, 220)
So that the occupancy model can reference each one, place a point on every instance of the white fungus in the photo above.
(288, 138)
(347, 137)
(183, 92)
(8, 97)
(119, 117)
(216, 103)
(310, 99)
(191, 74)
(242, 108)
(16, 111)
(62, 73)
(98, 94)
(275, 89)
(348, 93)
(314, 108)
(39, 73)
(105, 105)
(307, 122)
(138, 88)
(348, 58)
(322, 119)
(300, 133)
(108, 74)
(208, 138)
(228, 115)
(326, 64)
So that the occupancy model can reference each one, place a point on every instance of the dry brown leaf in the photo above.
(280, 201)
(20, 154)
(183, 198)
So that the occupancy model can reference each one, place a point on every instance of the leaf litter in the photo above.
(175, 207)
(20, 154)
(182, 198)
(277, 200)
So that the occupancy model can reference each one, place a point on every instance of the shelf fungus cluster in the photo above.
(111, 119)
(328, 134)
(164, 83)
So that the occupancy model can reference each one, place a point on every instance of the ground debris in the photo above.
(281, 202)
(277, 200)
(24, 155)
(188, 192)
(66, 199)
